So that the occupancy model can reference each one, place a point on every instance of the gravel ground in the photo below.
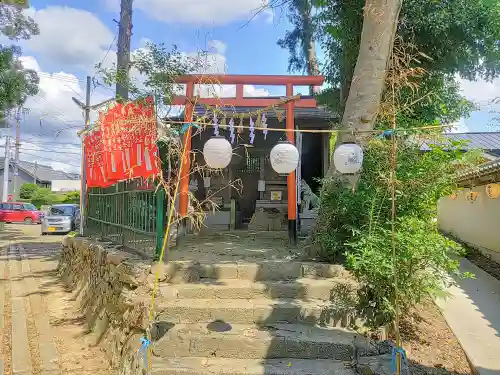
(485, 263)
(431, 346)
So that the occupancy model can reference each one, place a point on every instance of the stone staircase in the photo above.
(266, 317)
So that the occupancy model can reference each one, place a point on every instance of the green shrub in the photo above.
(356, 225)
(44, 196)
(72, 197)
(27, 190)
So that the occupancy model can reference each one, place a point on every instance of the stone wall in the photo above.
(113, 290)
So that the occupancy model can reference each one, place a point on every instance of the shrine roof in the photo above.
(318, 114)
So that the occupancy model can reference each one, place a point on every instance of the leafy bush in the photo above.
(356, 225)
(44, 196)
(27, 190)
(72, 197)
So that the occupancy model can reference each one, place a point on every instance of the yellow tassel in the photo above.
(240, 126)
(223, 123)
(258, 122)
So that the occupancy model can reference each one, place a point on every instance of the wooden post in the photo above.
(291, 179)
(186, 160)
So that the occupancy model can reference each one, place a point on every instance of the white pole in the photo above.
(5, 191)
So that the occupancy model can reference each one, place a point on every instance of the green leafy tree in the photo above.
(16, 83)
(300, 42)
(358, 223)
(153, 71)
(28, 190)
(458, 37)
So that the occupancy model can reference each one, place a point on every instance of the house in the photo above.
(472, 214)
(42, 175)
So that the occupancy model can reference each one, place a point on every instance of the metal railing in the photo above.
(128, 213)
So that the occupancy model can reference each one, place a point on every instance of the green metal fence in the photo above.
(128, 214)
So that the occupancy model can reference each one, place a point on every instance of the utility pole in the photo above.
(5, 191)
(86, 112)
(123, 54)
(83, 178)
(17, 145)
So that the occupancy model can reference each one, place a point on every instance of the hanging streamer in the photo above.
(394, 358)
(216, 125)
(231, 130)
(252, 129)
(144, 349)
(264, 125)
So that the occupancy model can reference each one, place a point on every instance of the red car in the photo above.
(13, 212)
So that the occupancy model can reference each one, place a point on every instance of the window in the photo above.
(62, 210)
(17, 207)
(5, 206)
(29, 207)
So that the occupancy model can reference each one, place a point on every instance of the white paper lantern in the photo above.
(284, 158)
(348, 158)
(217, 152)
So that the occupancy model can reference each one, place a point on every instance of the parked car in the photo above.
(61, 218)
(19, 212)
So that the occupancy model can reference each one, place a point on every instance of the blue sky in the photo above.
(250, 48)
(77, 34)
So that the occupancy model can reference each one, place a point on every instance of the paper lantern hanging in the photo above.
(348, 158)
(284, 158)
(217, 152)
(493, 191)
(471, 196)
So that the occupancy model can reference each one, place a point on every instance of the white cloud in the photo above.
(481, 92)
(69, 37)
(49, 128)
(196, 12)
(458, 127)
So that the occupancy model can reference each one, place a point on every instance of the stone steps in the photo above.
(267, 317)
(253, 341)
(302, 288)
(242, 311)
(229, 366)
(188, 271)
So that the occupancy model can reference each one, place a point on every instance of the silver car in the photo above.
(61, 218)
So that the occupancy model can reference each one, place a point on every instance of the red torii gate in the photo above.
(240, 101)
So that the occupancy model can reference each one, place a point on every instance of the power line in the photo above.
(49, 159)
(59, 151)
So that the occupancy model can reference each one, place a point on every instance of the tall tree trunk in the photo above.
(312, 62)
(308, 42)
(377, 38)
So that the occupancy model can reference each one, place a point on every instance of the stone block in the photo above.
(160, 269)
(219, 271)
(131, 274)
(115, 257)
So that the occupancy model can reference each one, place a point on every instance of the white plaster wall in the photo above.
(477, 224)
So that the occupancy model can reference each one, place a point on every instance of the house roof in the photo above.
(488, 142)
(43, 172)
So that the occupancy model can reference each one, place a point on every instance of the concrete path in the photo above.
(40, 329)
(473, 313)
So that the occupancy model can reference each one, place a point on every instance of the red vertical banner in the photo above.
(129, 136)
(96, 163)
